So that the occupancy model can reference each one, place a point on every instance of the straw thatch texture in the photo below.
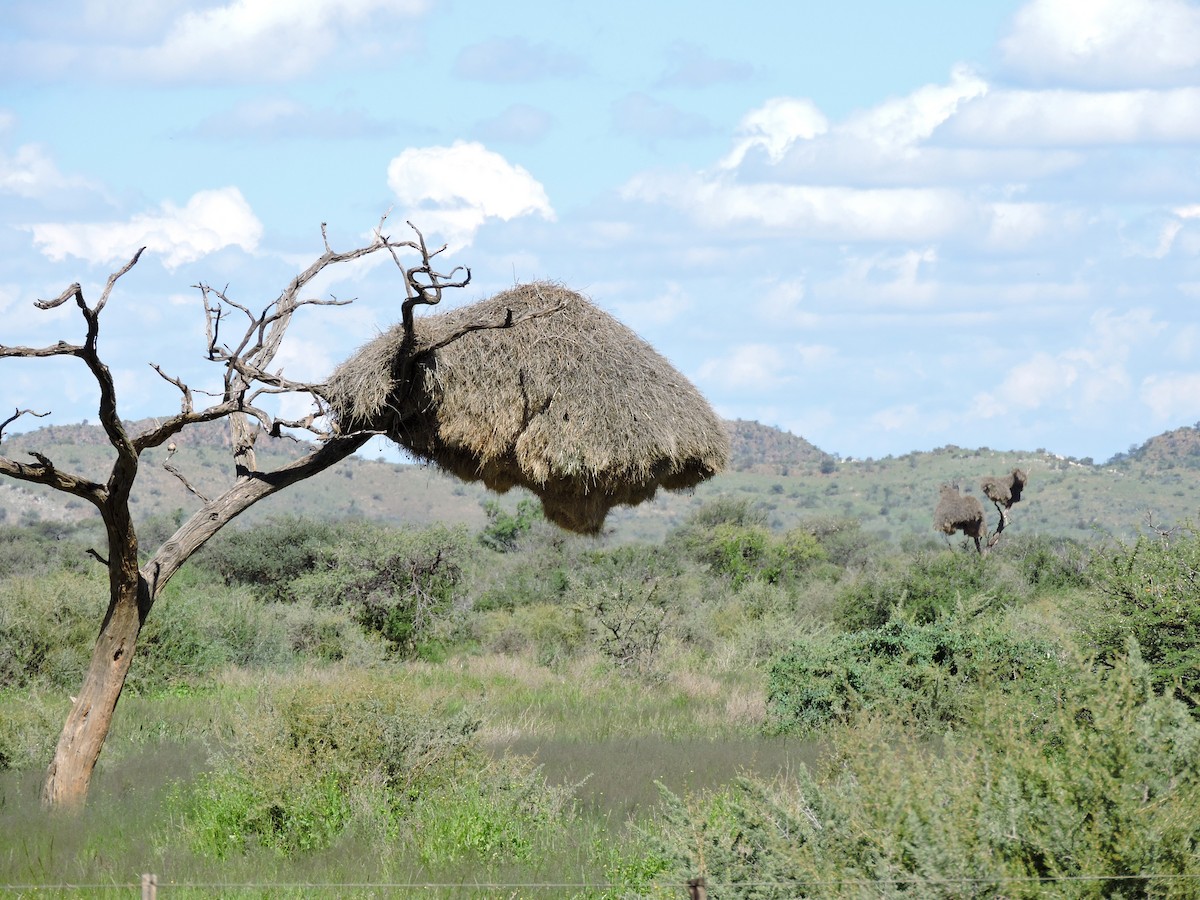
(959, 512)
(567, 402)
(1005, 490)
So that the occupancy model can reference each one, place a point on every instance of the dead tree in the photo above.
(247, 383)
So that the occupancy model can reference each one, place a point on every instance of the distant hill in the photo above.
(789, 478)
(1170, 450)
(769, 451)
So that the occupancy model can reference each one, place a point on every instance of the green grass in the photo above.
(278, 745)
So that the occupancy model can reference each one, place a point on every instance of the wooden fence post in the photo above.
(149, 886)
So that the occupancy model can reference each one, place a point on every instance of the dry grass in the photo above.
(565, 401)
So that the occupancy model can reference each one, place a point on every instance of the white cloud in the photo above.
(898, 418)
(1105, 43)
(1027, 386)
(240, 40)
(1172, 397)
(1072, 118)
(842, 213)
(669, 305)
(783, 304)
(757, 366)
(1091, 377)
(905, 121)
(775, 127)
(208, 222)
(30, 172)
(453, 190)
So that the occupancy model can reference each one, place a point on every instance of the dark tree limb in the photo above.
(247, 376)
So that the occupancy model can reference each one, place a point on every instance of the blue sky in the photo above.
(885, 227)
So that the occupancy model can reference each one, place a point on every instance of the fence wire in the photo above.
(683, 887)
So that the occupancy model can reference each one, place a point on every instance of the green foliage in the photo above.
(923, 589)
(41, 548)
(399, 582)
(29, 725)
(1149, 590)
(725, 510)
(845, 543)
(930, 674)
(270, 556)
(155, 530)
(1095, 796)
(198, 628)
(731, 539)
(313, 758)
(504, 530)
(1047, 563)
(47, 627)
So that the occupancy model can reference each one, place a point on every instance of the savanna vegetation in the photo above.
(806, 711)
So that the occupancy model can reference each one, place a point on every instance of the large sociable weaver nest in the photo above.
(536, 387)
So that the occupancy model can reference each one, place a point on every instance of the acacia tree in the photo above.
(247, 386)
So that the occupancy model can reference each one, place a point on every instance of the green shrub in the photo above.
(400, 583)
(1149, 590)
(929, 673)
(845, 543)
(1047, 563)
(1096, 795)
(924, 589)
(313, 757)
(48, 626)
(43, 547)
(198, 628)
(29, 726)
(504, 530)
(270, 556)
(551, 631)
(744, 552)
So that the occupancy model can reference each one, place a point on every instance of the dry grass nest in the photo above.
(958, 512)
(566, 402)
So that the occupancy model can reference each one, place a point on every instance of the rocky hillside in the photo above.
(792, 480)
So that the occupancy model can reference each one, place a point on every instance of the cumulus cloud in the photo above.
(1105, 43)
(903, 122)
(514, 60)
(210, 221)
(842, 213)
(1071, 118)
(453, 190)
(1172, 397)
(30, 172)
(774, 127)
(1092, 376)
(242, 40)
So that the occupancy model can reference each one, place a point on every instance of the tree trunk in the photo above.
(83, 735)
(133, 592)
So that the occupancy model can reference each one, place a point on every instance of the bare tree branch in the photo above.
(183, 480)
(16, 415)
(246, 376)
(427, 292)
